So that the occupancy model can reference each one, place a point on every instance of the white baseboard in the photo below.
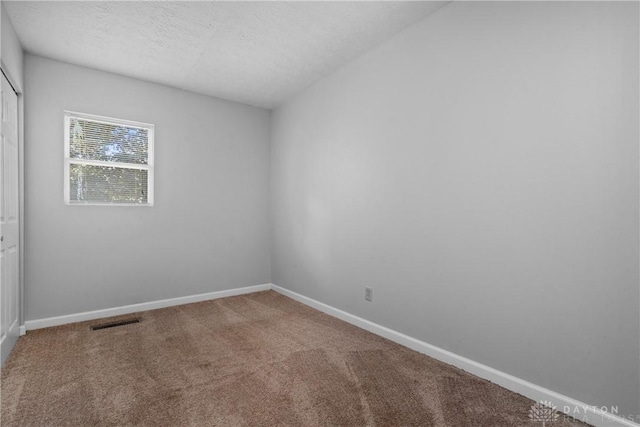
(582, 411)
(587, 413)
(133, 308)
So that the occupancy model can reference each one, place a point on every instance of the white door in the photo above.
(9, 222)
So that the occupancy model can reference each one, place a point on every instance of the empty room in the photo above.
(320, 213)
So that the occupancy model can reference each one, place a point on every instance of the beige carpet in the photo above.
(255, 360)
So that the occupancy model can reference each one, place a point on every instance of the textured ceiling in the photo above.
(258, 53)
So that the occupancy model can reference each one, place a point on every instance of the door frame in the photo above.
(19, 91)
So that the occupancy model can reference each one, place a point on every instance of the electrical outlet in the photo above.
(368, 293)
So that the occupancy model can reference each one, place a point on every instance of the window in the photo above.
(107, 161)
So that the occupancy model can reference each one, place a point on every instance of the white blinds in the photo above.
(107, 162)
(103, 184)
(92, 140)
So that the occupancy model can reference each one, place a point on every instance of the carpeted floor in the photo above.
(260, 360)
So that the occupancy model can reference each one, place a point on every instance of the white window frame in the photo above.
(118, 122)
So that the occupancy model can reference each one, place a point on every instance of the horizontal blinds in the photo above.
(94, 140)
(103, 184)
(108, 162)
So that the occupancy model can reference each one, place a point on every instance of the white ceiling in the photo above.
(258, 53)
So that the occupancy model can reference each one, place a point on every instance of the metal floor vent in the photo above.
(114, 324)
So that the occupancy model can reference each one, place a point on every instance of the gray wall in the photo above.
(480, 172)
(208, 229)
(10, 50)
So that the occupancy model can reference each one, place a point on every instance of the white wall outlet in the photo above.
(368, 293)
